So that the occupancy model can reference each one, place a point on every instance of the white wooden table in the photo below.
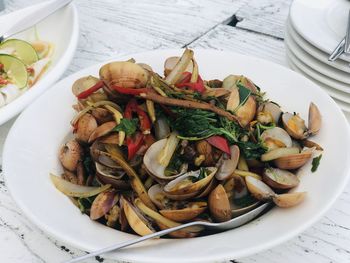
(111, 28)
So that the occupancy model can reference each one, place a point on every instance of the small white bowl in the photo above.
(61, 29)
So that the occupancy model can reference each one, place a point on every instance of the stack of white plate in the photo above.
(314, 28)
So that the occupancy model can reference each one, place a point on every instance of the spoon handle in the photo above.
(132, 242)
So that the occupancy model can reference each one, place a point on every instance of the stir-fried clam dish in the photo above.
(152, 152)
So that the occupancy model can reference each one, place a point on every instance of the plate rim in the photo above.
(207, 259)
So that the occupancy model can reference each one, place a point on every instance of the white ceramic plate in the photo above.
(314, 51)
(315, 64)
(61, 28)
(343, 105)
(334, 87)
(36, 151)
(321, 22)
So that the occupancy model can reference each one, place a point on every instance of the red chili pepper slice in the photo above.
(145, 122)
(186, 77)
(130, 91)
(198, 86)
(219, 142)
(130, 108)
(89, 91)
(134, 144)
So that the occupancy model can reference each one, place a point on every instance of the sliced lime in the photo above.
(15, 69)
(21, 49)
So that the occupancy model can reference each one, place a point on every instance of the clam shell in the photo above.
(70, 155)
(136, 220)
(83, 84)
(153, 167)
(179, 187)
(227, 167)
(315, 119)
(219, 204)
(86, 125)
(276, 137)
(102, 130)
(165, 223)
(278, 153)
(293, 161)
(294, 125)
(289, 199)
(157, 195)
(123, 74)
(259, 189)
(170, 63)
(271, 108)
(246, 112)
(280, 179)
(191, 210)
(102, 204)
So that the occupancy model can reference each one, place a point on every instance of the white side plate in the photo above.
(321, 22)
(60, 28)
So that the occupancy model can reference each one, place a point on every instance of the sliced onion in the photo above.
(279, 152)
(161, 128)
(180, 67)
(167, 152)
(75, 190)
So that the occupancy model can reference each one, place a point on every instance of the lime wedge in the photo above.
(15, 69)
(21, 49)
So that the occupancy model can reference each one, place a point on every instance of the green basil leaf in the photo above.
(129, 126)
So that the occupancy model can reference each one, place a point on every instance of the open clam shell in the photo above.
(188, 211)
(276, 138)
(280, 179)
(259, 189)
(99, 153)
(111, 176)
(228, 166)
(165, 223)
(241, 201)
(136, 220)
(190, 182)
(152, 165)
(272, 110)
(294, 125)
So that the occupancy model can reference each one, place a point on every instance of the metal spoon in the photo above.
(233, 223)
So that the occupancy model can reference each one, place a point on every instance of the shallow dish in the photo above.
(36, 152)
(64, 38)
